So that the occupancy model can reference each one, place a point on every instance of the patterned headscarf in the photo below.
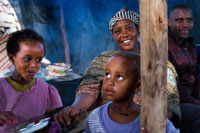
(124, 14)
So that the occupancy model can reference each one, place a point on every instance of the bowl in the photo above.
(58, 69)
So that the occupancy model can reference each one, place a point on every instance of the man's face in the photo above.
(181, 22)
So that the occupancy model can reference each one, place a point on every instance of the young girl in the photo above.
(24, 98)
(122, 78)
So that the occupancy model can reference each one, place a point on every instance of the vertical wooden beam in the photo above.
(64, 35)
(154, 54)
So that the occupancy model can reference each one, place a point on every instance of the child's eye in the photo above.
(107, 75)
(120, 77)
(39, 60)
(27, 59)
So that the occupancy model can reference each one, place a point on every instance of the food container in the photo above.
(58, 69)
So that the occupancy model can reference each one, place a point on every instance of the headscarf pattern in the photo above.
(124, 14)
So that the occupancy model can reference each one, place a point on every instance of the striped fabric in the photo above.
(94, 122)
(4, 60)
(124, 14)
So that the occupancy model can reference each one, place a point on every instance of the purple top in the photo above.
(99, 121)
(29, 104)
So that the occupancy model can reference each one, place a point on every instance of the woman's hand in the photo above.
(7, 117)
(67, 114)
(81, 104)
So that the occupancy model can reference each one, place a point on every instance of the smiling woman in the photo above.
(125, 35)
(124, 28)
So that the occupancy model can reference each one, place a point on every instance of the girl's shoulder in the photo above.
(49, 91)
(40, 82)
(3, 79)
(3, 82)
(42, 85)
(4, 85)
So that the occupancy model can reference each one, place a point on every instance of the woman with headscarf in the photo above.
(124, 26)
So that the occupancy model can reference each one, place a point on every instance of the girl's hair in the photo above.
(13, 44)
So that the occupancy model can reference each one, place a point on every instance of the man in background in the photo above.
(182, 54)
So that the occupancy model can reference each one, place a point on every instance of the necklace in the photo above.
(136, 110)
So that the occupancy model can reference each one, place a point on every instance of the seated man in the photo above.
(182, 54)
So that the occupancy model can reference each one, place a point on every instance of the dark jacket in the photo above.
(182, 54)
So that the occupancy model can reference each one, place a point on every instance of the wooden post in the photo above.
(64, 35)
(154, 54)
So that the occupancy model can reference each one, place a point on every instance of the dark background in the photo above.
(85, 24)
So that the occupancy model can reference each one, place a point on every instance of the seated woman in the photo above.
(124, 26)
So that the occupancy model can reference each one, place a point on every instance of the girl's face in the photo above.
(120, 79)
(125, 35)
(27, 60)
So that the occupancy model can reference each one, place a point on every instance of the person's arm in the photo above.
(82, 102)
(86, 94)
(173, 99)
(196, 90)
(187, 97)
(88, 91)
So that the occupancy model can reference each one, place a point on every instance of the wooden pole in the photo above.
(64, 35)
(154, 54)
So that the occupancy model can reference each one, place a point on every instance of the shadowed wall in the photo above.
(86, 25)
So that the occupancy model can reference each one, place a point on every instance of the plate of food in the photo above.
(31, 127)
(43, 74)
(58, 69)
(46, 77)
